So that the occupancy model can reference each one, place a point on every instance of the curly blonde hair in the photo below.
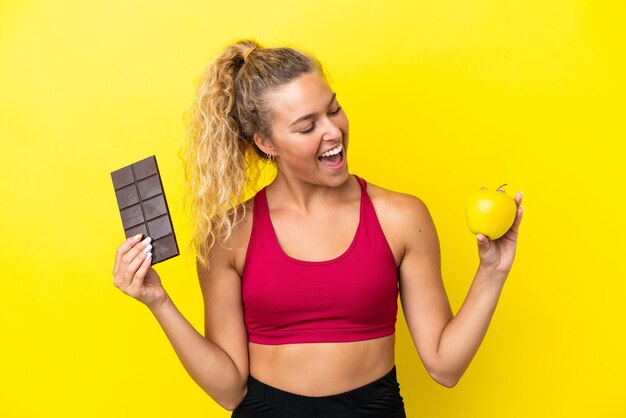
(220, 158)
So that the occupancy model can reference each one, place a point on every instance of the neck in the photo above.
(305, 196)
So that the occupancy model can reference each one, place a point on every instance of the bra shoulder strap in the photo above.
(362, 182)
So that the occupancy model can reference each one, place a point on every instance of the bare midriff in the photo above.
(322, 369)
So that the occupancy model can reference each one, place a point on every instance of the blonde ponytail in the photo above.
(219, 155)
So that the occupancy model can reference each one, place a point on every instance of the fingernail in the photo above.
(136, 237)
(148, 248)
(146, 241)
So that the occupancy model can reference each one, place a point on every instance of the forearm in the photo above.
(207, 364)
(463, 335)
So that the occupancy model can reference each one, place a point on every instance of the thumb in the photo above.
(483, 242)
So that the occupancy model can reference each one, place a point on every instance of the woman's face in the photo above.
(308, 123)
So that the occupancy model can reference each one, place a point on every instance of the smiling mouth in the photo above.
(333, 158)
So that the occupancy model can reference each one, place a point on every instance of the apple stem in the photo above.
(502, 186)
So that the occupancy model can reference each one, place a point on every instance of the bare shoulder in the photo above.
(235, 248)
(402, 216)
(241, 229)
(399, 208)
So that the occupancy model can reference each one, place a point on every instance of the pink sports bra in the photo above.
(349, 298)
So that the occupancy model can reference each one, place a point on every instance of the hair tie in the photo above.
(245, 54)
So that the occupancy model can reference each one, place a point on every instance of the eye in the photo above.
(306, 131)
(336, 111)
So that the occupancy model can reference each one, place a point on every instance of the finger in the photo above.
(133, 267)
(482, 239)
(132, 253)
(518, 199)
(140, 274)
(514, 229)
(127, 269)
(488, 250)
(123, 249)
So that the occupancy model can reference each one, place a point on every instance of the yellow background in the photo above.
(443, 97)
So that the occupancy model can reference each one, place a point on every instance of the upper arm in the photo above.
(223, 307)
(424, 300)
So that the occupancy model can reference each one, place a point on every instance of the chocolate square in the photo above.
(145, 168)
(132, 216)
(143, 206)
(154, 207)
(165, 248)
(149, 187)
(122, 177)
(160, 227)
(127, 196)
(139, 229)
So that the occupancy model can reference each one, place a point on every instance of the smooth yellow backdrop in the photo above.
(443, 97)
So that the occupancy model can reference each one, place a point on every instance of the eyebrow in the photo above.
(310, 115)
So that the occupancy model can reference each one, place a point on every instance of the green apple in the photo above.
(490, 212)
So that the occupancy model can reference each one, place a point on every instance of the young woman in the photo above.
(300, 282)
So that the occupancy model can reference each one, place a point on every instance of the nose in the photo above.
(331, 130)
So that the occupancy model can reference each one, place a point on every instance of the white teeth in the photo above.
(333, 151)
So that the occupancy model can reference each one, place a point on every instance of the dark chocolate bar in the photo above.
(142, 205)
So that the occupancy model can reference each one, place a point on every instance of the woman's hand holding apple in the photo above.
(491, 212)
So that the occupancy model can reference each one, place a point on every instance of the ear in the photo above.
(265, 144)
